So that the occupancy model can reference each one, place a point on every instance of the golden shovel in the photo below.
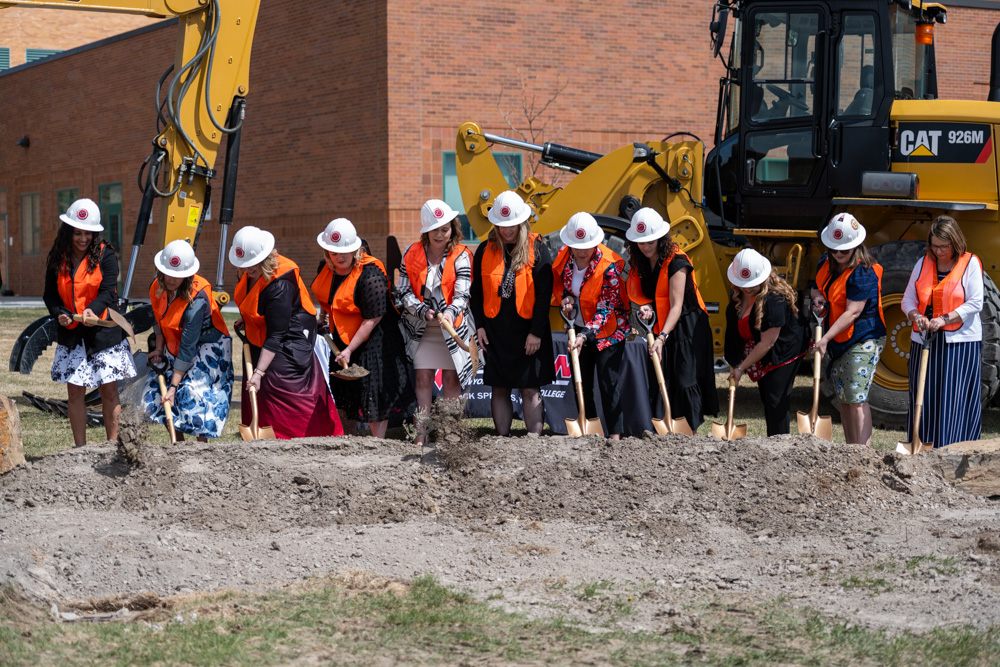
(352, 372)
(915, 446)
(472, 347)
(160, 371)
(811, 423)
(253, 431)
(668, 424)
(581, 425)
(117, 320)
(729, 430)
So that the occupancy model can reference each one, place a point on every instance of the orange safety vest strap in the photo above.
(77, 290)
(169, 316)
(416, 272)
(247, 300)
(944, 296)
(835, 293)
(344, 312)
(590, 290)
(524, 283)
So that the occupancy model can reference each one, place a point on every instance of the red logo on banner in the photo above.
(239, 252)
(437, 379)
(562, 367)
(838, 234)
(335, 237)
(175, 261)
(640, 227)
(745, 273)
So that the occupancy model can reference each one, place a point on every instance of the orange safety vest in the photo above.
(416, 271)
(79, 289)
(524, 283)
(945, 296)
(662, 295)
(344, 313)
(835, 293)
(169, 315)
(590, 290)
(247, 300)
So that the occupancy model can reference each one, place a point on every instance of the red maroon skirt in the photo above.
(295, 402)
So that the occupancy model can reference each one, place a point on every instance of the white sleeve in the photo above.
(910, 301)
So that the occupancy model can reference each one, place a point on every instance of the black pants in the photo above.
(775, 391)
(608, 363)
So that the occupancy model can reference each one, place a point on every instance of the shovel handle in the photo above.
(98, 321)
(336, 350)
(166, 409)
(732, 403)
(574, 357)
(446, 325)
(667, 416)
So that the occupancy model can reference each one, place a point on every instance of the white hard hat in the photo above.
(843, 232)
(581, 232)
(647, 225)
(435, 213)
(749, 268)
(339, 236)
(251, 245)
(177, 260)
(509, 210)
(83, 214)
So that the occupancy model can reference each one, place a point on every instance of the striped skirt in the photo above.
(952, 394)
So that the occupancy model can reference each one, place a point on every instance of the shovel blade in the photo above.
(911, 448)
(246, 433)
(120, 320)
(593, 427)
(660, 427)
(680, 426)
(266, 433)
(722, 433)
(739, 431)
(719, 431)
(821, 428)
(573, 429)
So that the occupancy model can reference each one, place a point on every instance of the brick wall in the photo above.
(353, 103)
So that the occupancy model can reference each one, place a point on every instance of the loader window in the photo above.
(912, 63)
(784, 157)
(856, 58)
(783, 59)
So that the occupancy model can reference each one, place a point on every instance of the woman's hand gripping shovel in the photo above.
(117, 320)
(729, 430)
(811, 423)
(472, 347)
(668, 424)
(347, 372)
(254, 431)
(161, 373)
(581, 425)
(915, 446)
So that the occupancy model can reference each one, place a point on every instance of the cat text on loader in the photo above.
(823, 107)
(201, 102)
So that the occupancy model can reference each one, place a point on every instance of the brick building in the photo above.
(354, 107)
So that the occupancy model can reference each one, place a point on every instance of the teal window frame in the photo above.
(65, 197)
(511, 166)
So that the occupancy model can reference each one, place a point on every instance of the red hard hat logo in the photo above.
(838, 234)
(438, 213)
(581, 234)
(505, 211)
(175, 261)
(239, 252)
(335, 237)
(82, 214)
(745, 273)
(641, 227)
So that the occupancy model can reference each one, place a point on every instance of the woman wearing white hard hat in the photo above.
(511, 284)
(81, 278)
(848, 294)
(352, 288)
(279, 319)
(764, 337)
(589, 285)
(945, 295)
(436, 273)
(193, 348)
(661, 283)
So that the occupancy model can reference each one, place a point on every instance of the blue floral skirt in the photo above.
(201, 402)
(853, 371)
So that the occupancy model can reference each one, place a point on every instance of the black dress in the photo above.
(506, 363)
(387, 391)
(688, 354)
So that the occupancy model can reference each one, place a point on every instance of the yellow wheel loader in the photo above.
(200, 103)
(823, 107)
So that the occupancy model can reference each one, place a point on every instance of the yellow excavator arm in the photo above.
(203, 102)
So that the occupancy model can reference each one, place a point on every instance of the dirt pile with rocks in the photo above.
(869, 536)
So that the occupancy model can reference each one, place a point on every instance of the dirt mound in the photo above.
(792, 516)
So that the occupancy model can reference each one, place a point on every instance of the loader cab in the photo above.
(804, 108)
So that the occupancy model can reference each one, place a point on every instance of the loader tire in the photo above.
(889, 395)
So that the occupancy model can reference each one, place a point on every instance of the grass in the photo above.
(336, 620)
(45, 433)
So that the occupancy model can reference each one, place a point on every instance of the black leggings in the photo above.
(608, 363)
(775, 390)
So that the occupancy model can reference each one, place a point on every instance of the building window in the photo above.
(5, 244)
(511, 166)
(110, 203)
(4, 57)
(31, 224)
(31, 55)
(66, 197)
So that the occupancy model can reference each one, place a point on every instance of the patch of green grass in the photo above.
(592, 589)
(875, 585)
(922, 565)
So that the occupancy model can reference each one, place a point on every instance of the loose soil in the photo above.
(866, 536)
